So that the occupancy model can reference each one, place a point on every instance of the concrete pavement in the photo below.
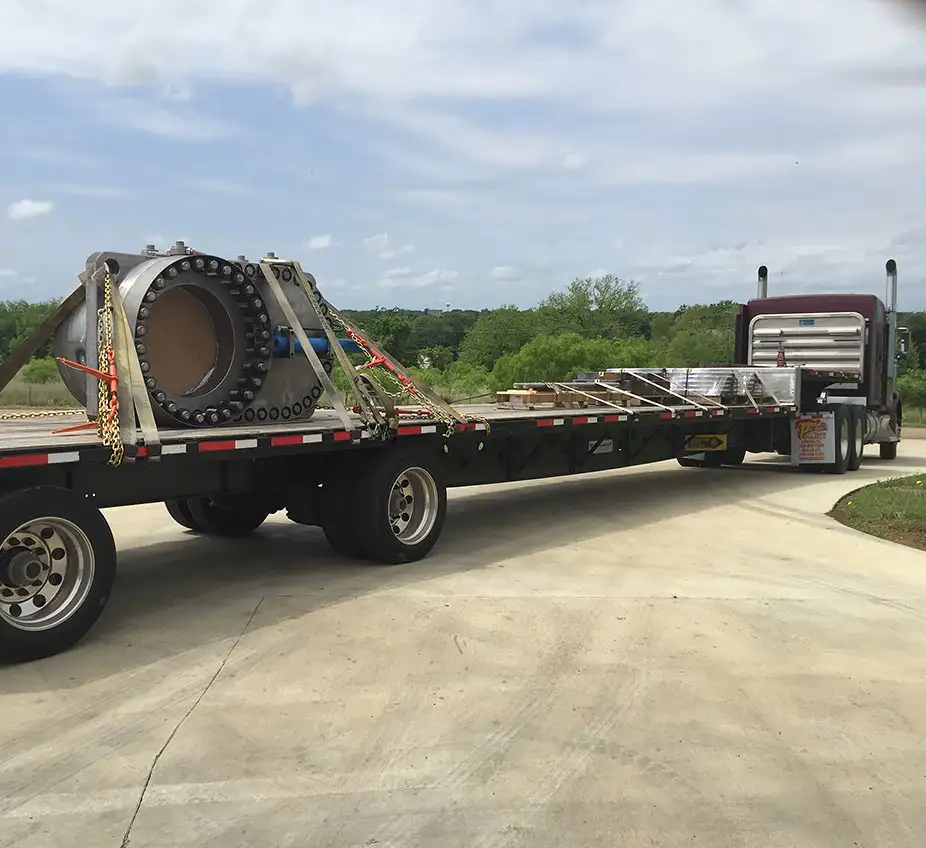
(660, 656)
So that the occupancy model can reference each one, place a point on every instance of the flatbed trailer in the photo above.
(374, 477)
(379, 500)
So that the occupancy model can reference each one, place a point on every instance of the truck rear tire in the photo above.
(400, 506)
(842, 439)
(233, 518)
(857, 419)
(887, 450)
(57, 570)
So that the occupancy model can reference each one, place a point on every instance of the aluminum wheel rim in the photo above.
(844, 440)
(47, 568)
(413, 505)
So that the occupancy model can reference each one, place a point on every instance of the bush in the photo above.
(41, 371)
(560, 358)
(912, 388)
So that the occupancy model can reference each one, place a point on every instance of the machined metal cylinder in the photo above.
(201, 329)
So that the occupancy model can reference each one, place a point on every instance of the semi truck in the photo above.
(200, 379)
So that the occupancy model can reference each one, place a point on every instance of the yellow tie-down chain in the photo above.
(45, 413)
(107, 423)
(108, 416)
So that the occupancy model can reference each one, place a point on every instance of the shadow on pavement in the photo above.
(192, 593)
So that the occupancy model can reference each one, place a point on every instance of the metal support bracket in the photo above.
(266, 267)
(364, 401)
(133, 384)
(26, 349)
(91, 347)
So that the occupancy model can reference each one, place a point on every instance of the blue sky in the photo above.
(471, 152)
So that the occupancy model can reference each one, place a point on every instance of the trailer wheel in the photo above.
(842, 423)
(857, 426)
(400, 506)
(232, 518)
(179, 510)
(57, 569)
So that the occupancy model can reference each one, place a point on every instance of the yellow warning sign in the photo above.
(699, 443)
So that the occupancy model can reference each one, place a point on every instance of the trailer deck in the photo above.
(34, 441)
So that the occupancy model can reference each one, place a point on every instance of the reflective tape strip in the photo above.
(291, 440)
(27, 460)
(63, 456)
(417, 430)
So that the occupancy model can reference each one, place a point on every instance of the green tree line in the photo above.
(594, 323)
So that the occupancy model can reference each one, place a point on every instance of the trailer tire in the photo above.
(179, 510)
(887, 450)
(230, 518)
(734, 456)
(389, 532)
(50, 599)
(842, 439)
(338, 509)
(857, 419)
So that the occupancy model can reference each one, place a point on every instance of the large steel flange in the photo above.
(203, 337)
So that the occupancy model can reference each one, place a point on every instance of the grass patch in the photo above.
(22, 395)
(892, 509)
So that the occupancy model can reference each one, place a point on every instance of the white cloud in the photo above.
(23, 209)
(218, 185)
(378, 242)
(396, 273)
(7, 273)
(573, 161)
(319, 242)
(100, 191)
(179, 122)
(406, 279)
(637, 136)
(392, 253)
(438, 276)
(381, 244)
(505, 272)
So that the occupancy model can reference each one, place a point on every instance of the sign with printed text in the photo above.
(701, 443)
(813, 439)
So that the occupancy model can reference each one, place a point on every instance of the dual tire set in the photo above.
(388, 508)
(849, 422)
(58, 556)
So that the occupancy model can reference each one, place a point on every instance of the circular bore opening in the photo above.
(190, 341)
